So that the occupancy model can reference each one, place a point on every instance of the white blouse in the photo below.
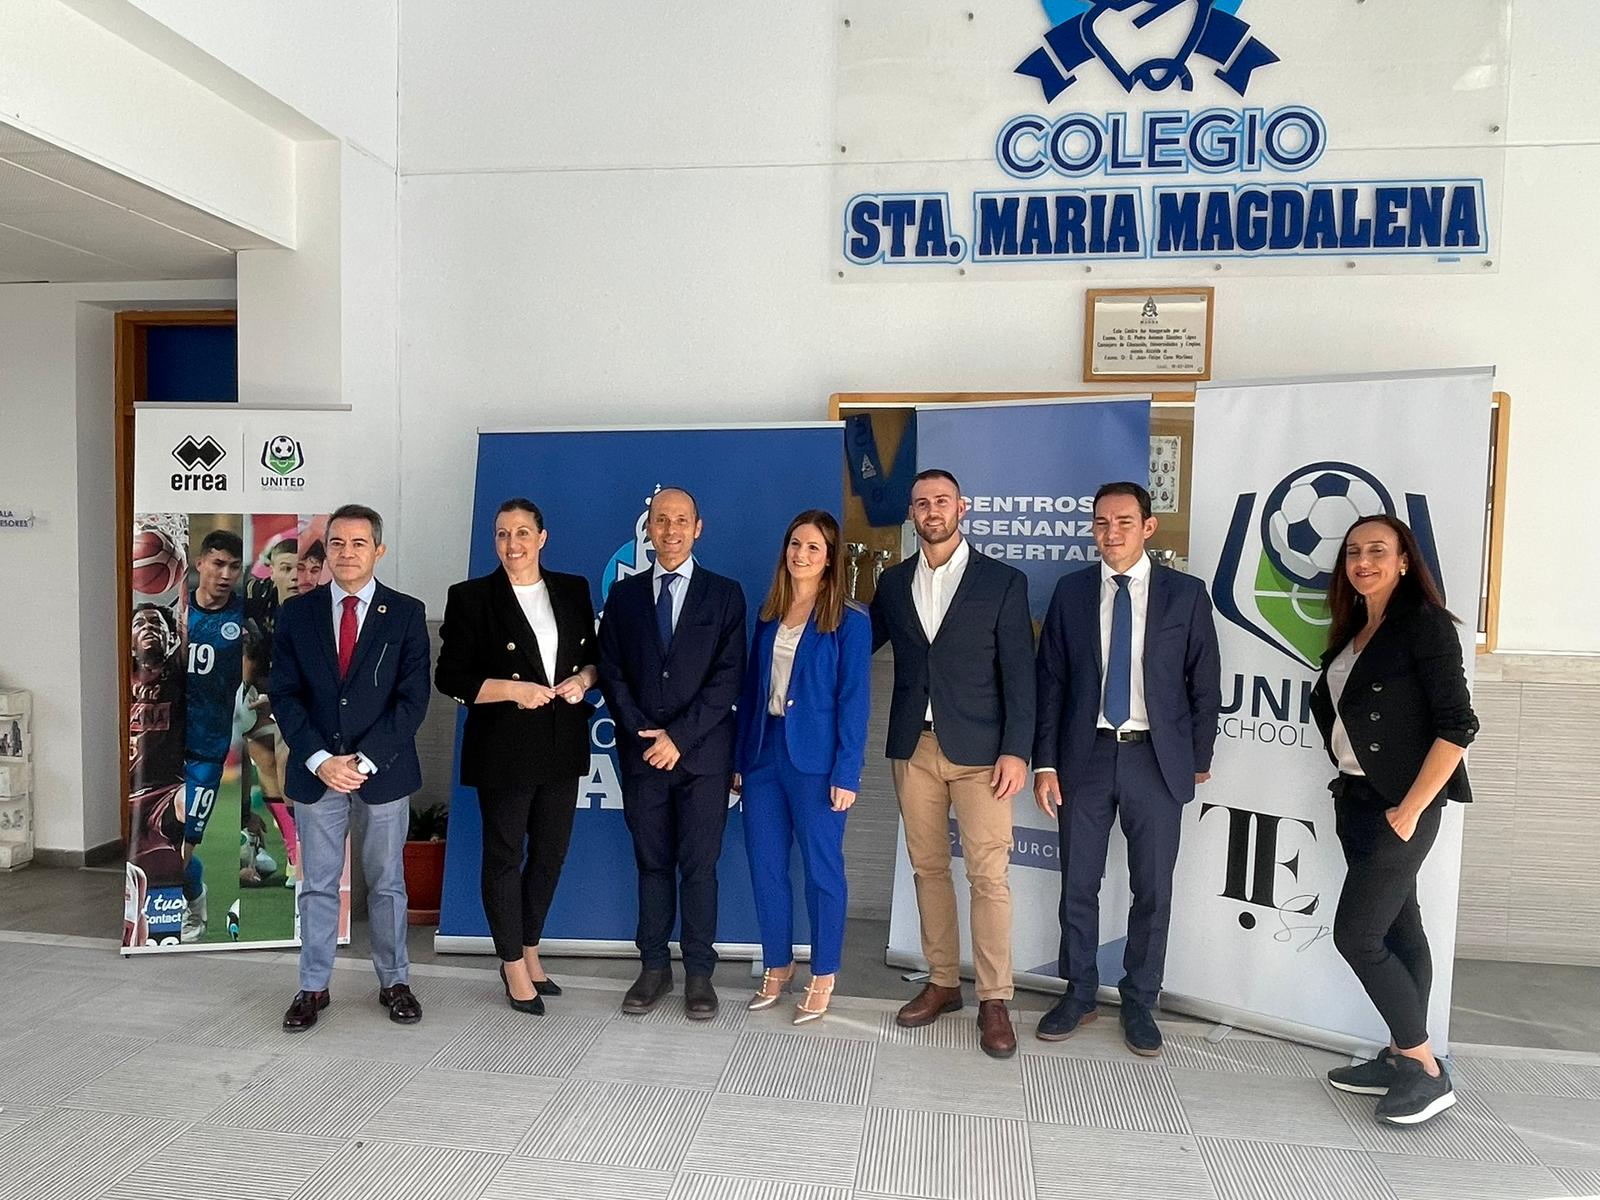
(783, 646)
(535, 601)
(1339, 675)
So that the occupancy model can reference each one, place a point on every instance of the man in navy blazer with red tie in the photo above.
(672, 653)
(1129, 683)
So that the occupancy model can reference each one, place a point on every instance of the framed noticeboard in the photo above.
(1158, 334)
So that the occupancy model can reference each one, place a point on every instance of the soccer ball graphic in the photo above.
(1307, 514)
(281, 447)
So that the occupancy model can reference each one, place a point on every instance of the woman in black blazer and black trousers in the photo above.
(1396, 717)
(518, 649)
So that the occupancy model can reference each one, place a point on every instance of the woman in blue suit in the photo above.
(802, 738)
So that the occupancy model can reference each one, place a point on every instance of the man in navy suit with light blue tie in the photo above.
(349, 689)
(1129, 683)
(672, 653)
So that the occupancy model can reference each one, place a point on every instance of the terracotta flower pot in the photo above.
(424, 870)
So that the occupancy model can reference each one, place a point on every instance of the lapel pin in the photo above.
(511, 645)
(383, 608)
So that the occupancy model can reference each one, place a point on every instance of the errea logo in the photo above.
(200, 458)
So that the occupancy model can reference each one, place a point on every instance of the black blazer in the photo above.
(486, 636)
(978, 671)
(1406, 690)
(375, 710)
(689, 689)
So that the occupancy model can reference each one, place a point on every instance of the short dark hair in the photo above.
(284, 546)
(522, 504)
(230, 544)
(359, 512)
(317, 551)
(936, 473)
(1125, 487)
(169, 619)
(682, 491)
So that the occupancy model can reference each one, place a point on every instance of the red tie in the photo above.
(347, 634)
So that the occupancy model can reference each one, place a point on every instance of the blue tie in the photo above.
(664, 608)
(1119, 664)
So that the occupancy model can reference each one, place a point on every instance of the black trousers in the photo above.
(677, 821)
(516, 895)
(1378, 926)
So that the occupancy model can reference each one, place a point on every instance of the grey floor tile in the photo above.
(191, 1081)
(1103, 1164)
(1264, 1108)
(633, 1052)
(819, 1069)
(14, 1116)
(398, 1171)
(1101, 1038)
(254, 1022)
(918, 1077)
(212, 1163)
(359, 1027)
(546, 1179)
(757, 1136)
(1560, 1133)
(857, 1024)
(469, 1110)
(1412, 1177)
(1468, 1131)
(693, 1185)
(318, 1098)
(520, 1044)
(730, 1018)
(1579, 1183)
(617, 1124)
(1248, 1056)
(954, 1031)
(1100, 1094)
(944, 1156)
(1246, 1170)
(42, 1066)
(68, 1154)
(31, 997)
(1526, 1077)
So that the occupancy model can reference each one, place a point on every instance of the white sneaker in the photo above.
(194, 919)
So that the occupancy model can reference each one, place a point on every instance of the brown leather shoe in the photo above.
(995, 1034)
(303, 1010)
(931, 1003)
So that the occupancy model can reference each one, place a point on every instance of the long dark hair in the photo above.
(1415, 588)
(829, 607)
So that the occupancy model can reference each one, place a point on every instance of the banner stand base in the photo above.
(447, 943)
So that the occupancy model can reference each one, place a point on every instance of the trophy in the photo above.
(880, 560)
(1164, 558)
(855, 550)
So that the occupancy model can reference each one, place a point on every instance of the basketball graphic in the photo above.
(157, 569)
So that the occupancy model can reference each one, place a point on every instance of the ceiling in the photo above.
(64, 219)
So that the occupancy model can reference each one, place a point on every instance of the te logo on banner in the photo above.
(1251, 866)
(199, 459)
(283, 457)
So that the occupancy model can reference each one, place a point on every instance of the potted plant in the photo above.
(424, 863)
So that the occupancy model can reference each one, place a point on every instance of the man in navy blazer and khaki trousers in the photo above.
(671, 665)
(1129, 692)
(960, 726)
(349, 688)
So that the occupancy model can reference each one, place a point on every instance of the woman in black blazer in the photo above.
(518, 649)
(1396, 717)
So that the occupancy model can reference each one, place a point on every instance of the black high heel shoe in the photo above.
(534, 1006)
(547, 987)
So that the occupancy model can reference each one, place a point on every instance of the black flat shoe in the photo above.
(404, 1009)
(547, 987)
(534, 1006)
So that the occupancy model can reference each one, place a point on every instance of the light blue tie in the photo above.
(664, 608)
(1119, 663)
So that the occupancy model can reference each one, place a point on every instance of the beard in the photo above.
(944, 534)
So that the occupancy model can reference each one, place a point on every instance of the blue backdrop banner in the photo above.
(594, 488)
(1030, 472)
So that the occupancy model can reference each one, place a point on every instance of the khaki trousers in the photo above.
(928, 785)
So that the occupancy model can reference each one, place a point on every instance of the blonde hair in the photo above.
(829, 607)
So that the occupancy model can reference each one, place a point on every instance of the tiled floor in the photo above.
(140, 1078)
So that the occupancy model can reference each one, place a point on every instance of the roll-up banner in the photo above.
(1260, 868)
(230, 509)
(1029, 471)
(594, 487)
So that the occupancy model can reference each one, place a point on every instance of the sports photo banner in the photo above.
(1281, 471)
(230, 512)
(594, 487)
(1029, 471)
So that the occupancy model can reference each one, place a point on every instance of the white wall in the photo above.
(58, 579)
(613, 212)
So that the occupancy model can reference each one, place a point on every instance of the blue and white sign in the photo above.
(595, 489)
(1179, 131)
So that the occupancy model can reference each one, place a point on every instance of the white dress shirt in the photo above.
(679, 589)
(1339, 675)
(1139, 597)
(784, 643)
(363, 601)
(534, 600)
(932, 589)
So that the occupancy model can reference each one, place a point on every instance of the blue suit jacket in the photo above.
(688, 689)
(378, 707)
(825, 725)
(1182, 677)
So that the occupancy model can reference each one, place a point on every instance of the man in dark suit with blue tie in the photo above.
(1129, 692)
(349, 689)
(672, 652)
